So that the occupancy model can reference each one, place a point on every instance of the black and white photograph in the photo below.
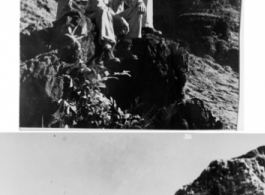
(132, 163)
(130, 64)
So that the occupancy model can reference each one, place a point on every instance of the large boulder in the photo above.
(242, 175)
(44, 53)
(189, 114)
(156, 84)
(157, 77)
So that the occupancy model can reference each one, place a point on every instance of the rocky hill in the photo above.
(167, 88)
(242, 175)
(37, 11)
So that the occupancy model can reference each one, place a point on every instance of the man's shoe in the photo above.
(99, 59)
(108, 53)
(148, 30)
(124, 50)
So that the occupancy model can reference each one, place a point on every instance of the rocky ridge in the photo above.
(242, 175)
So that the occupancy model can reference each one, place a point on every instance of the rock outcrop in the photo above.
(166, 88)
(242, 175)
(53, 63)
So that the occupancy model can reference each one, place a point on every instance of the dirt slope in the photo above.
(217, 86)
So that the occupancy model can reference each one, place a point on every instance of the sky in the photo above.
(111, 163)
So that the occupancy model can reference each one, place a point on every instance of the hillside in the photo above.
(37, 11)
(242, 175)
(204, 97)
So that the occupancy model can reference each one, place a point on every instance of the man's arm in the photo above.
(141, 7)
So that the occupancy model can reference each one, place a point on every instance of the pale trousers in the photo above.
(148, 17)
(105, 19)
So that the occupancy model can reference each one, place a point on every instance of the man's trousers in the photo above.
(148, 17)
(105, 19)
